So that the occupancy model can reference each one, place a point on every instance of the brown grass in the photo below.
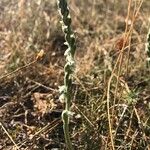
(111, 85)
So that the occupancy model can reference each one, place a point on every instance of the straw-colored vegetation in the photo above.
(110, 94)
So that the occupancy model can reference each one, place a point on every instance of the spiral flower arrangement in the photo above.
(148, 48)
(69, 67)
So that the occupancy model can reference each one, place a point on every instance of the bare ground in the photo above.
(30, 110)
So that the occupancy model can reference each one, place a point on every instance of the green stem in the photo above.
(65, 117)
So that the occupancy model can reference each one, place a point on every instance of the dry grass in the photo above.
(111, 105)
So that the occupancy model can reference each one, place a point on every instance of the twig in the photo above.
(9, 136)
(38, 57)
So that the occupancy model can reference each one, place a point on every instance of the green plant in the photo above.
(66, 89)
(148, 48)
